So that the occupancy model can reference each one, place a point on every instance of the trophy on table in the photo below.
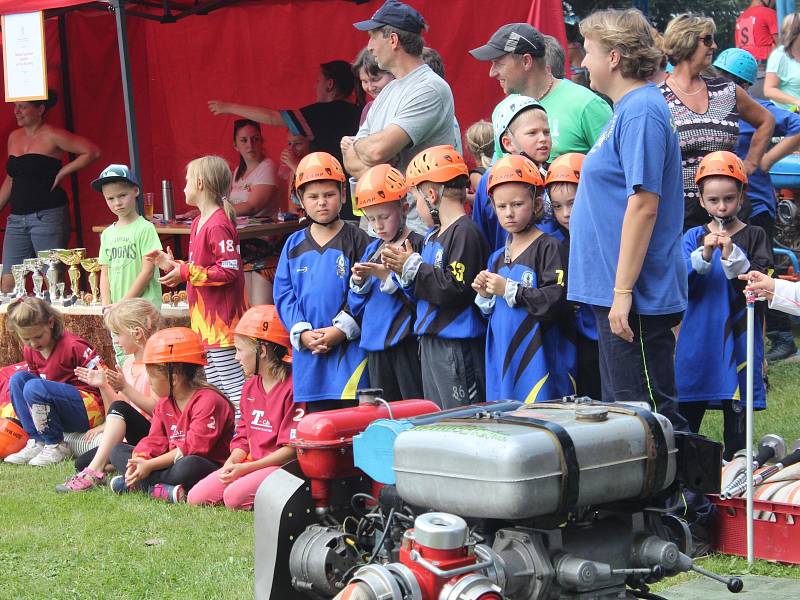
(19, 272)
(50, 258)
(92, 267)
(73, 258)
(34, 266)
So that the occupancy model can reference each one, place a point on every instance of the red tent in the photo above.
(253, 52)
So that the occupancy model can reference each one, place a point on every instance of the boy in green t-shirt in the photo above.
(123, 244)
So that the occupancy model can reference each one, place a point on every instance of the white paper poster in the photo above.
(24, 61)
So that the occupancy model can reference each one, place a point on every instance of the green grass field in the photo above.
(98, 545)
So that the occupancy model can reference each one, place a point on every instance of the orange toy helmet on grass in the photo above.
(437, 164)
(721, 164)
(174, 345)
(263, 323)
(565, 169)
(12, 437)
(379, 185)
(513, 168)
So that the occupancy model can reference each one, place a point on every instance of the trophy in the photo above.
(34, 266)
(19, 272)
(50, 258)
(73, 258)
(92, 267)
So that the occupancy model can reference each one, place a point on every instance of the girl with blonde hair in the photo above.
(125, 393)
(213, 273)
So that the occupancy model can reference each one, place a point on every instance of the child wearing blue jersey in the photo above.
(523, 294)
(715, 322)
(561, 184)
(311, 284)
(387, 314)
(449, 324)
(520, 127)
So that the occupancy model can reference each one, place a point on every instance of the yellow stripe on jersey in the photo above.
(536, 389)
(349, 391)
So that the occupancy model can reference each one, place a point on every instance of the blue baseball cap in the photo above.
(395, 14)
(114, 173)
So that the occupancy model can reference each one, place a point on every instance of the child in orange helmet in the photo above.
(387, 314)
(523, 292)
(310, 289)
(191, 427)
(561, 184)
(715, 322)
(269, 414)
(450, 327)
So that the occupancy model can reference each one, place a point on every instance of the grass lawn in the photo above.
(98, 545)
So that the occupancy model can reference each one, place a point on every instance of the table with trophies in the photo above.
(83, 311)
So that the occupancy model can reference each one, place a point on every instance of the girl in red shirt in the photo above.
(47, 397)
(191, 427)
(213, 274)
(269, 414)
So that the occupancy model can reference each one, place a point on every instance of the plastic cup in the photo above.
(149, 198)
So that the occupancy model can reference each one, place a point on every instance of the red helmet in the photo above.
(437, 164)
(12, 437)
(380, 184)
(565, 169)
(513, 168)
(318, 166)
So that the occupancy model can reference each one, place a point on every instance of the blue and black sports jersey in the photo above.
(311, 285)
(711, 352)
(386, 319)
(443, 285)
(529, 355)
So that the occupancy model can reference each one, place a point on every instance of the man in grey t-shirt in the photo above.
(413, 112)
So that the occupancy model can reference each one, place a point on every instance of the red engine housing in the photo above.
(324, 440)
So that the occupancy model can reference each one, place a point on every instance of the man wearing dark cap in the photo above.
(576, 114)
(413, 112)
(324, 122)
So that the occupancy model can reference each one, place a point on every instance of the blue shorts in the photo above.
(28, 234)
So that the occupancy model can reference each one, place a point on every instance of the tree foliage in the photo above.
(724, 12)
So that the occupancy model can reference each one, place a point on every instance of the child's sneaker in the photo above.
(118, 486)
(80, 482)
(24, 456)
(169, 493)
(51, 454)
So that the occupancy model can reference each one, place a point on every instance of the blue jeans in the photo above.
(28, 234)
(47, 409)
(642, 371)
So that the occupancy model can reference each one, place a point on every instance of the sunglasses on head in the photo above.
(708, 40)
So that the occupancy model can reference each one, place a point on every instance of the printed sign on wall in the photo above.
(24, 61)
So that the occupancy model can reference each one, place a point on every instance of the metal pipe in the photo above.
(751, 298)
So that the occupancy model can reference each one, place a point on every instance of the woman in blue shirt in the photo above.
(626, 225)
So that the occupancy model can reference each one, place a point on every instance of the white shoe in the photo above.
(51, 454)
(24, 456)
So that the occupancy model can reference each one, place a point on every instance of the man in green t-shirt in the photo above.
(576, 114)
(123, 244)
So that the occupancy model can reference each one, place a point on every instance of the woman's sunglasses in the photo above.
(708, 40)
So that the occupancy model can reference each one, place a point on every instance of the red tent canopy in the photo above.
(264, 53)
(23, 6)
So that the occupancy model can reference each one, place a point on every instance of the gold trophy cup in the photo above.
(92, 267)
(73, 258)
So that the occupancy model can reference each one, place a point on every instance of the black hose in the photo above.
(379, 545)
(362, 512)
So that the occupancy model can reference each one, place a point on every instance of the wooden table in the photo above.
(87, 322)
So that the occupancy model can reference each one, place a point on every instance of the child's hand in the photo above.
(138, 469)
(289, 159)
(310, 338)
(93, 377)
(330, 337)
(710, 242)
(758, 282)
(364, 270)
(230, 473)
(116, 380)
(93, 432)
(395, 257)
(479, 285)
(495, 284)
(173, 278)
(726, 243)
(163, 260)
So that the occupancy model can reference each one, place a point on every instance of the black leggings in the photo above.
(733, 436)
(186, 472)
(136, 427)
